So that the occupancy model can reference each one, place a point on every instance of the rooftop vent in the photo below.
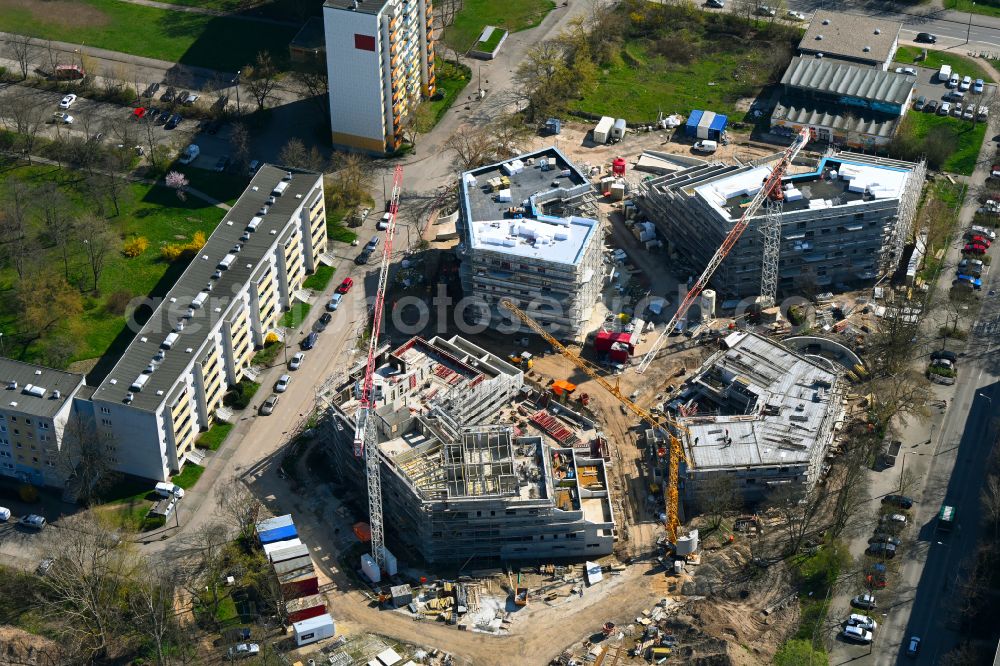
(209, 286)
(254, 223)
(229, 223)
(826, 21)
(245, 237)
(169, 341)
(254, 188)
(113, 381)
(288, 176)
(199, 300)
(190, 313)
(139, 382)
(160, 392)
(179, 326)
(38, 372)
(271, 200)
(878, 31)
(129, 397)
(216, 275)
(280, 188)
(144, 339)
(819, 37)
(13, 403)
(11, 385)
(237, 247)
(150, 369)
(37, 391)
(56, 394)
(867, 49)
(263, 210)
(159, 356)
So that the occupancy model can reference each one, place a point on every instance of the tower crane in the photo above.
(771, 189)
(366, 434)
(667, 425)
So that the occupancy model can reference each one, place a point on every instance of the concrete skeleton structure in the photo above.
(844, 222)
(760, 415)
(168, 385)
(458, 486)
(524, 237)
(380, 62)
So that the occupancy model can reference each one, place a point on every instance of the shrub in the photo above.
(271, 338)
(172, 251)
(135, 246)
(118, 302)
(941, 371)
(28, 493)
(242, 394)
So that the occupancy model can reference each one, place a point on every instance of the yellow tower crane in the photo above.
(661, 423)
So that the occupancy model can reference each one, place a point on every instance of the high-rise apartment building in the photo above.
(380, 61)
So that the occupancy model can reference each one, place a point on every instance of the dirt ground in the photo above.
(20, 647)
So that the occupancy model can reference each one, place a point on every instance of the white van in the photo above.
(945, 73)
(383, 224)
(167, 489)
(706, 146)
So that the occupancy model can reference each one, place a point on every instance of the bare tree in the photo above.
(98, 241)
(152, 604)
(53, 210)
(202, 566)
(238, 505)
(800, 513)
(239, 144)
(473, 147)
(15, 240)
(990, 498)
(719, 498)
(23, 51)
(25, 116)
(92, 572)
(261, 78)
(84, 459)
(313, 80)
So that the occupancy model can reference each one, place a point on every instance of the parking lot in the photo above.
(931, 88)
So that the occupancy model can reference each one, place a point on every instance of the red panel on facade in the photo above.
(364, 42)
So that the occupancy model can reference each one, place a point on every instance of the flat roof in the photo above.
(849, 35)
(525, 218)
(36, 388)
(835, 182)
(784, 399)
(185, 345)
(847, 80)
(360, 6)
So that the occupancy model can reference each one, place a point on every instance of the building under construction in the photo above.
(843, 223)
(457, 481)
(760, 415)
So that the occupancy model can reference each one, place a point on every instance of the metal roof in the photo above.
(186, 346)
(818, 114)
(848, 35)
(36, 388)
(359, 6)
(836, 78)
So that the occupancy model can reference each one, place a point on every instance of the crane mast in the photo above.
(365, 433)
(676, 450)
(770, 189)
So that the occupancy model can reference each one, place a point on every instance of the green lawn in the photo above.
(267, 354)
(642, 83)
(296, 314)
(213, 438)
(222, 43)
(451, 80)
(512, 15)
(189, 476)
(491, 43)
(974, 7)
(153, 212)
(319, 280)
(968, 139)
(336, 230)
(907, 55)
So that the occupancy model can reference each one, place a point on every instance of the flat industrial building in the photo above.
(460, 480)
(527, 234)
(844, 222)
(861, 40)
(758, 413)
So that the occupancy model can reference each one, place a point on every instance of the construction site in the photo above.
(510, 478)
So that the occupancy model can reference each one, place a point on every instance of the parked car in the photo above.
(190, 154)
(716, 4)
(296, 361)
(182, 95)
(967, 281)
(363, 258)
(944, 109)
(981, 240)
(4, 514)
(43, 567)
(282, 385)
(168, 95)
(969, 112)
(334, 302)
(857, 634)
(863, 621)
(906, 70)
(796, 16)
(972, 248)
(913, 646)
(222, 163)
(932, 106)
(383, 224)
(173, 122)
(309, 341)
(765, 10)
(63, 118)
(966, 83)
(881, 549)
(253, 168)
(983, 113)
(995, 171)
(268, 407)
(138, 113)
(345, 286)
(920, 103)
(954, 96)
(166, 489)
(192, 98)
(984, 231)
(67, 101)
(705, 146)
(957, 110)
(894, 518)
(33, 521)
(902, 501)
(882, 537)
(151, 90)
(244, 650)
(954, 80)
(865, 601)
(969, 264)
(926, 38)
(324, 320)
(977, 86)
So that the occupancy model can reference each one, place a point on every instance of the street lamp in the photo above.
(968, 33)
(2, 351)
(236, 82)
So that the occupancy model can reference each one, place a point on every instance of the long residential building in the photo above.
(380, 62)
(844, 222)
(169, 384)
(525, 237)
